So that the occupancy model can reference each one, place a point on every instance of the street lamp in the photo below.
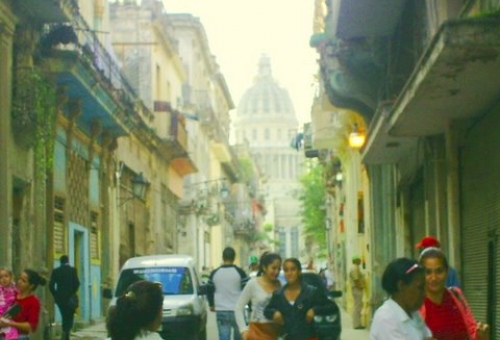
(357, 138)
(140, 186)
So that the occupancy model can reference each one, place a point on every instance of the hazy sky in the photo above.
(239, 31)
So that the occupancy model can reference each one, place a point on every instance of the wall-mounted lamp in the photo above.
(357, 138)
(140, 186)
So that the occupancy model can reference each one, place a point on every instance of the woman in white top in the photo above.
(138, 313)
(258, 291)
(398, 318)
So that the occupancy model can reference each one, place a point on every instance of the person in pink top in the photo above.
(26, 321)
(8, 294)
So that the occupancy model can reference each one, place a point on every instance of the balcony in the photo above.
(84, 67)
(244, 227)
(460, 71)
(353, 51)
(177, 143)
(45, 11)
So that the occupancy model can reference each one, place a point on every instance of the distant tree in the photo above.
(313, 211)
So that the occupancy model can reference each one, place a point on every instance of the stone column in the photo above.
(6, 34)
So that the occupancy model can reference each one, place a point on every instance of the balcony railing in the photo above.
(177, 130)
(78, 37)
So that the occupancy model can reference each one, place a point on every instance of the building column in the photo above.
(6, 34)
(452, 139)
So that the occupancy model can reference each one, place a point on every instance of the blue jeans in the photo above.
(226, 322)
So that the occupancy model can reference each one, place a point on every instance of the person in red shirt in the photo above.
(26, 321)
(445, 310)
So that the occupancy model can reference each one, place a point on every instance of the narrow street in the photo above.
(98, 331)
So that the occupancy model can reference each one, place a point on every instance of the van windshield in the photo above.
(174, 280)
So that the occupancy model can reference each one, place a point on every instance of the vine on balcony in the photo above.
(33, 115)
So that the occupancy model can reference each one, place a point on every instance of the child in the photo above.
(8, 294)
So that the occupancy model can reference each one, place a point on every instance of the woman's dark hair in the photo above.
(266, 259)
(433, 253)
(135, 310)
(295, 261)
(402, 269)
(34, 278)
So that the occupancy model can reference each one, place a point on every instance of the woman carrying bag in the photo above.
(445, 310)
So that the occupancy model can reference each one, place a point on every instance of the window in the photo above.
(94, 235)
(294, 236)
(174, 280)
(254, 134)
(267, 134)
(282, 245)
(59, 225)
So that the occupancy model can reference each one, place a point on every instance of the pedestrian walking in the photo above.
(253, 268)
(138, 313)
(225, 285)
(258, 292)
(432, 242)
(295, 305)
(398, 317)
(26, 321)
(8, 293)
(445, 309)
(357, 279)
(63, 285)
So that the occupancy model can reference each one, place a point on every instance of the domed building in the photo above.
(265, 118)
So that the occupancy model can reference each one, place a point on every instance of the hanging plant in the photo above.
(33, 115)
(59, 34)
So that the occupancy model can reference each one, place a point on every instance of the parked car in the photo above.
(184, 307)
(328, 327)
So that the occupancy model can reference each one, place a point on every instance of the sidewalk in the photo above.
(98, 331)
(94, 332)
(348, 333)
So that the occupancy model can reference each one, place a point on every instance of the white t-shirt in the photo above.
(253, 292)
(146, 335)
(391, 322)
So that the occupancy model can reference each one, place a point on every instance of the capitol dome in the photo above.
(265, 97)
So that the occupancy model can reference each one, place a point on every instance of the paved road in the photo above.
(98, 331)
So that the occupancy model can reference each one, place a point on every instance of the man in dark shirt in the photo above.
(63, 285)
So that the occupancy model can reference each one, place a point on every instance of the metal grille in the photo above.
(59, 225)
(480, 200)
(78, 190)
(94, 235)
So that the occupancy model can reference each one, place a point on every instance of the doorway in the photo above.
(79, 257)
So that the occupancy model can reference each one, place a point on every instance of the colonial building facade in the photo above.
(423, 75)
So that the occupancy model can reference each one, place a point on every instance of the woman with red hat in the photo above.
(445, 309)
(432, 242)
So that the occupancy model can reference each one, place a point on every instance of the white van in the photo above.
(184, 307)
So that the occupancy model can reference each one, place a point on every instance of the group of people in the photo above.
(421, 304)
(20, 307)
(277, 311)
